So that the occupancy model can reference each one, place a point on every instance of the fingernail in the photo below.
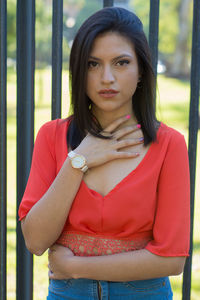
(128, 116)
(138, 126)
(141, 139)
(137, 153)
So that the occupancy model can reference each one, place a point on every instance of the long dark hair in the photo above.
(127, 24)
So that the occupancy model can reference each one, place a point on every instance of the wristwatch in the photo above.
(78, 161)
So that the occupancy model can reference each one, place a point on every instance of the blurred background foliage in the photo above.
(175, 35)
(175, 30)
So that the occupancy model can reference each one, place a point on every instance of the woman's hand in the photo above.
(98, 151)
(59, 262)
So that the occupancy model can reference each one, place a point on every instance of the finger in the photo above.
(50, 268)
(51, 274)
(128, 142)
(126, 130)
(50, 252)
(106, 134)
(110, 128)
(51, 249)
(120, 154)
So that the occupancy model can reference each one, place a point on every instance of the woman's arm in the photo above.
(127, 266)
(44, 222)
(135, 265)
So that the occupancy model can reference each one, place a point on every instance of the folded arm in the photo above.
(127, 266)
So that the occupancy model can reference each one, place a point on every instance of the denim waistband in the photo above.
(88, 289)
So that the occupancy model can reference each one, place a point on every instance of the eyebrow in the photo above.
(115, 58)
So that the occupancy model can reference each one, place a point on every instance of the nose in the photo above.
(107, 75)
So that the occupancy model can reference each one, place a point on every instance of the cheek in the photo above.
(133, 76)
(130, 81)
(90, 83)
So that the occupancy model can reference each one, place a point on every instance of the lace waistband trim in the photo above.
(86, 245)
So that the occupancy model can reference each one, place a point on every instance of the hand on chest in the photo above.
(104, 178)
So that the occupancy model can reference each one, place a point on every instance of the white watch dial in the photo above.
(78, 162)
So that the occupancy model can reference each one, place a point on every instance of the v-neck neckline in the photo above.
(118, 185)
(128, 175)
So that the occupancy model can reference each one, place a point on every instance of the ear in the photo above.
(139, 83)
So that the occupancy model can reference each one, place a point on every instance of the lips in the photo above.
(108, 93)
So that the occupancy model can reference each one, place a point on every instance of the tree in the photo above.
(174, 28)
(180, 66)
(11, 28)
(43, 34)
(87, 9)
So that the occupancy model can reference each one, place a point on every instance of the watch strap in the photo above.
(84, 169)
(71, 154)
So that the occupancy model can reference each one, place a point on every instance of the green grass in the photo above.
(172, 109)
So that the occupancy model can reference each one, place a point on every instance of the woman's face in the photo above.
(113, 74)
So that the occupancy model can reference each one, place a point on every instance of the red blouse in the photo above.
(149, 208)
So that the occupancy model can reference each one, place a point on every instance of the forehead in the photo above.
(112, 43)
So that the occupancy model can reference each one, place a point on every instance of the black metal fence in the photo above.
(25, 119)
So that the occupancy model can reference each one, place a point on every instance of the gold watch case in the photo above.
(78, 161)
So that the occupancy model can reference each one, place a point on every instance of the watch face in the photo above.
(78, 162)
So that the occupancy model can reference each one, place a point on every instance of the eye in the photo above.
(123, 62)
(92, 64)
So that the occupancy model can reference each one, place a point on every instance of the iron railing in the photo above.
(25, 131)
(193, 130)
(57, 58)
(25, 119)
(3, 130)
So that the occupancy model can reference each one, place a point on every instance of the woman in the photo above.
(108, 191)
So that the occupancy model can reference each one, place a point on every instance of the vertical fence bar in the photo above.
(108, 3)
(3, 171)
(193, 130)
(154, 31)
(57, 39)
(25, 131)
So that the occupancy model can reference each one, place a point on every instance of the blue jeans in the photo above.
(88, 289)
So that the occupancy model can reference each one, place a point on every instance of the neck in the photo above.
(106, 118)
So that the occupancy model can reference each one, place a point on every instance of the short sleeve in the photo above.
(171, 231)
(43, 168)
